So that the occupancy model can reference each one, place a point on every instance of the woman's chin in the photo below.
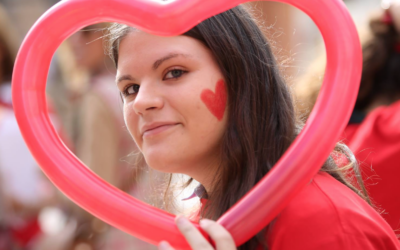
(163, 164)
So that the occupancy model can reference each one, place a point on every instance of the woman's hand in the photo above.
(223, 240)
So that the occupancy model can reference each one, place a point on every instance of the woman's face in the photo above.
(174, 102)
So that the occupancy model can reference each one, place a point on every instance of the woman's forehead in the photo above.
(143, 39)
(145, 46)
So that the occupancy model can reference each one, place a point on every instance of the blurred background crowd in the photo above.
(85, 108)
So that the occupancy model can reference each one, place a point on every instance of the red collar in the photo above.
(6, 105)
(397, 47)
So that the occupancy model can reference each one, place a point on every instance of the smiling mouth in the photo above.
(159, 129)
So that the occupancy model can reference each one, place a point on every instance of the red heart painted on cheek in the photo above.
(215, 102)
(263, 203)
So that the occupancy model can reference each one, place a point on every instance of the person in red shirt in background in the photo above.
(24, 190)
(373, 132)
(168, 85)
(19, 203)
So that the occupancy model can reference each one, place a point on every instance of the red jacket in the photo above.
(328, 215)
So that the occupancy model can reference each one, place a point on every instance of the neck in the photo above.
(207, 175)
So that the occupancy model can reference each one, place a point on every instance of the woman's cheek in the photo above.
(215, 101)
(132, 122)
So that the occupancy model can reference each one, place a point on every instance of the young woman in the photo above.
(211, 104)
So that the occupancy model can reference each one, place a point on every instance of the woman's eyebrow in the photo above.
(124, 78)
(167, 57)
(156, 64)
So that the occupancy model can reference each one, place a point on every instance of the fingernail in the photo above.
(163, 245)
(181, 220)
(204, 223)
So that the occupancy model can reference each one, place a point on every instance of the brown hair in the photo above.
(381, 70)
(8, 43)
(381, 64)
(261, 119)
(7, 63)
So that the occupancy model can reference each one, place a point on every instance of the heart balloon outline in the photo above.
(254, 211)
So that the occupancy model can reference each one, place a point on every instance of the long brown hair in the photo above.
(7, 62)
(8, 46)
(261, 119)
(380, 76)
(381, 63)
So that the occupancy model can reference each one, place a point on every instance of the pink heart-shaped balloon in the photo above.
(298, 165)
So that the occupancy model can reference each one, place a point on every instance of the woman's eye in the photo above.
(131, 90)
(175, 73)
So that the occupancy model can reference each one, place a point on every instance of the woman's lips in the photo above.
(158, 129)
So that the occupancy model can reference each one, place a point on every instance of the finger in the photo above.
(165, 246)
(222, 238)
(193, 236)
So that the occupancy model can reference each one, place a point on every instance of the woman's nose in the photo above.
(147, 99)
